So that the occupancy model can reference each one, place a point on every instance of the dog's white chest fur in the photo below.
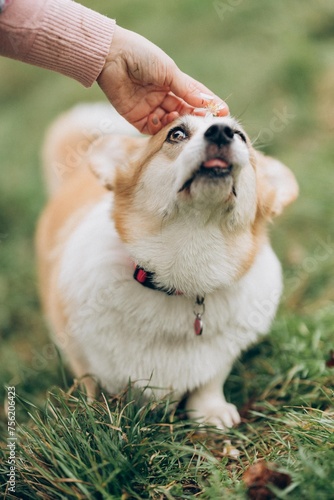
(130, 332)
(190, 205)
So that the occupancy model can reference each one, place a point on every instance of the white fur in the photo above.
(129, 332)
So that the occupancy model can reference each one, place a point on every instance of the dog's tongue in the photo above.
(215, 162)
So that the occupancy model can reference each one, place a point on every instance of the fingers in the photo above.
(170, 117)
(196, 94)
(195, 99)
(173, 103)
(153, 124)
(159, 119)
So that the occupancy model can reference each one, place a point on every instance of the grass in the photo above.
(274, 63)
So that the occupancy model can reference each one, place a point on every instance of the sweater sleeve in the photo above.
(60, 35)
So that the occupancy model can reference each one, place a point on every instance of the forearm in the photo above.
(59, 35)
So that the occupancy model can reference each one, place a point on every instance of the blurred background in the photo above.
(273, 62)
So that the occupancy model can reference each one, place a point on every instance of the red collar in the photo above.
(146, 278)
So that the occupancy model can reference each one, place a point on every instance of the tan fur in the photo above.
(72, 199)
(62, 214)
(271, 199)
(82, 190)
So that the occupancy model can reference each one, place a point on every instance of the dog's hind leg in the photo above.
(78, 363)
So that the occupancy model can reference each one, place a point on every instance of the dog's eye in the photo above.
(177, 134)
(241, 135)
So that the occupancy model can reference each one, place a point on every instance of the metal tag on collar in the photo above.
(199, 310)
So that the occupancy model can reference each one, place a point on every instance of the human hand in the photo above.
(147, 88)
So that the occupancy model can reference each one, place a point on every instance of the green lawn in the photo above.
(274, 63)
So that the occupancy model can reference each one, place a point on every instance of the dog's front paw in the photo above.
(218, 413)
(224, 415)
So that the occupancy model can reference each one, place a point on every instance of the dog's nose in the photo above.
(219, 134)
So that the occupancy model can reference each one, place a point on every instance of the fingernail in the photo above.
(207, 97)
(223, 110)
(155, 120)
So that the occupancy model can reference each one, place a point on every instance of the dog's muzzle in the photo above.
(218, 138)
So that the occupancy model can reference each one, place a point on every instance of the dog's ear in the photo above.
(112, 153)
(277, 186)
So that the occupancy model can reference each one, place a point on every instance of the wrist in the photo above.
(115, 52)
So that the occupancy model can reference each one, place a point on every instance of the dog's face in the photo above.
(197, 176)
(198, 168)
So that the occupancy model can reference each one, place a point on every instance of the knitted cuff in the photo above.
(73, 40)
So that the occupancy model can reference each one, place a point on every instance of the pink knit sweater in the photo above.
(60, 35)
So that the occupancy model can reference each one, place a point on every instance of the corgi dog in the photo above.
(154, 260)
